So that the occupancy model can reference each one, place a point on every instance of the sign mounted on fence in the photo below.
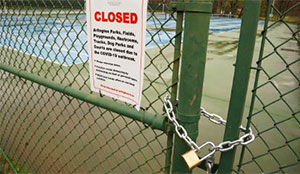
(116, 40)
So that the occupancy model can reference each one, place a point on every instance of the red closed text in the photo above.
(119, 17)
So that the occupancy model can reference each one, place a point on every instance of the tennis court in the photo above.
(35, 34)
(51, 122)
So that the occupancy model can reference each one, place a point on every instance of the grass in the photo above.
(10, 166)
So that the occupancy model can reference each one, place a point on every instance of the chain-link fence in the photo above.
(50, 121)
(275, 107)
(44, 130)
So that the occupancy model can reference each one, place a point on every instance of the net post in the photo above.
(241, 80)
(192, 74)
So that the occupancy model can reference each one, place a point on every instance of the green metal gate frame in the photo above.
(191, 54)
(260, 70)
(241, 80)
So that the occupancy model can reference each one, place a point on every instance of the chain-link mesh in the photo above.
(43, 130)
(275, 114)
(46, 131)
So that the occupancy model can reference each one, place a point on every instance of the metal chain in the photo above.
(210, 161)
(246, 139)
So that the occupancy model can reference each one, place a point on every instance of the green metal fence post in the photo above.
(197, 16)
(241, 80)
(259, 62)
(177, 53)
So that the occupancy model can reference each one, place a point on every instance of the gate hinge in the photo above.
(200, 7)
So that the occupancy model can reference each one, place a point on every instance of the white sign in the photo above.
(116, 40)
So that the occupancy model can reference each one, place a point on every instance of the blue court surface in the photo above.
(65, 41)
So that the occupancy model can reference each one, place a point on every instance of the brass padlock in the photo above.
(191, 158)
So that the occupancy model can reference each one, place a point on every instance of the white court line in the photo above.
(38, 57)
(225, 27)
